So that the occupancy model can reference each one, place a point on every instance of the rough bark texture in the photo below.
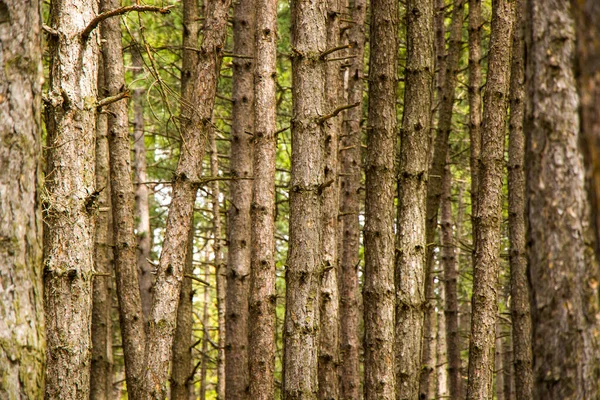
(488, 215)
(70, 199)
(563, 292)
(448, 66)
(351, 173)
(142, 207)
(329, 296)
(196, 120)
(507, 363)
(101, 373)
(122, 201)
(263, 297)
(520, 306)
(181, 369)
(378, 291)
(22, 343)
(205, 337)
(303, 274)
(238, 226)
(412, 379)
(499, 376)
(450, 266)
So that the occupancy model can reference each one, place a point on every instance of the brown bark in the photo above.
(238, 226)
(441, 351)
(142, 207)
(520, 306)
(498, 372)
(329, 296)
(507, 363)
(448, 66)
(122, 200)
(101, 372)
(263, 297)
(22, 344)
(413, 379)
(489, 209)
(378, 290)
(351, 173)
(196, 120)
(301, 326)
(69, 200)
(560, 258)
(205, 337)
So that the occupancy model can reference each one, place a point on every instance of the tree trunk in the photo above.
(520, 306)
(412, 379)
(565, 356)
(263, 296)
(489, 209)
(205, 336)
(351, 174)
(196, 120)
(142, 207)
(498, 371)
(101, 373)
(329, 296)
(70, 200)
(22, 345)
(448, 66)
(378, 288)
(507, 363)
(239, 222)
(441, 387)
(301, 326)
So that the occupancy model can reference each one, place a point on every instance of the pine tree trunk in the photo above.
(413, 379)
(142, 207)
(351, 174)
(441, 357)
(22, 345)
(560, 257)
(101, 372)
(239, 222)
(263, 296)
(507, 363)
(196, 120)
(205, 337)
(378, 291)
(520, 306)
(301, 326)
(329, 296)
(70, 199)
(488, 215)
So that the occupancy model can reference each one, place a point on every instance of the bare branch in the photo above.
(337, 111)
(120, 11)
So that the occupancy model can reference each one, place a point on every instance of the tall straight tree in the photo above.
(520, 306)
(350, 186)
(196, 120)
(329, 296)
(303, 274)
(489, 210)
(263, 296)
(22, 345)
(239, 225)
(122, 201)
(560, 258)
(378, 291)
(413, 171)
(70, 199)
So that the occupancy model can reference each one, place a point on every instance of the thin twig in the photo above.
(120, 11)
(334, 49)
(112, 99)
(337, 111)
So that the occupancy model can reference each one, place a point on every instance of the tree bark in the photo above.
(301, 326)
(22, 344)
(560, 261)
(205, 337)
(329, 296)
(520, 306)
(489, 210)
(239, 222)
(413, 379)
(350, 185)
(498, 372)
(263, 296)
(378, 291)
(70, 199)
(196, 120)
(101, 373)
(441, 357)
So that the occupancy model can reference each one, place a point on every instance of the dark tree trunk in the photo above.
(378, 291)
(489, 205)
(22, 345)
(350, 170)
(413, 379)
